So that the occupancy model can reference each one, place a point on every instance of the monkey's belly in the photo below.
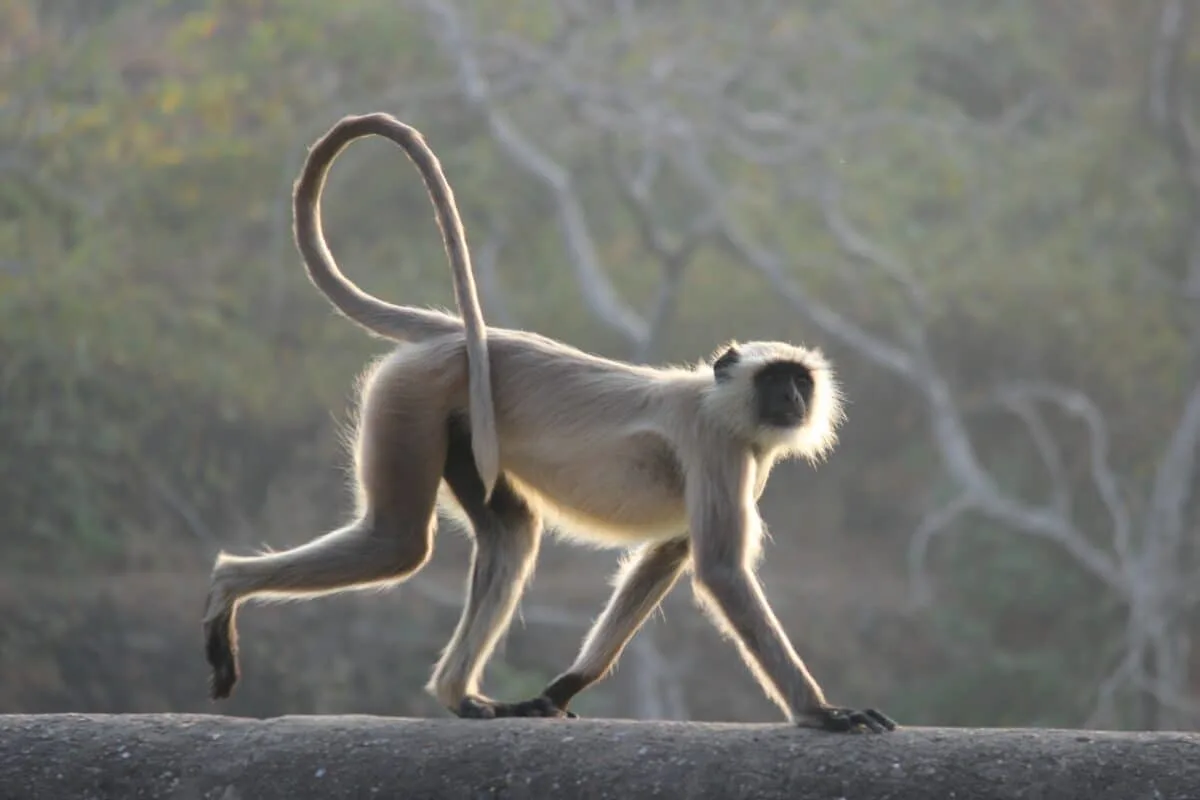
(626, 490)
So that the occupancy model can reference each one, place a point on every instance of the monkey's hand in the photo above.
(847, 720)
(476, 707)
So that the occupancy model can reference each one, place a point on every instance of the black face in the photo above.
(784, 390)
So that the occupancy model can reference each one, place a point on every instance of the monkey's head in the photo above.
(777, 396)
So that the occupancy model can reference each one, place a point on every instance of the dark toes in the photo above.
(540, 706)
(883, 719)
(846, 720)
(475, 708)
(219, 650)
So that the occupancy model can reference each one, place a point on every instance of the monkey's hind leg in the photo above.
(642, 583)
(507, 534)
(401, 448)
(373, 551)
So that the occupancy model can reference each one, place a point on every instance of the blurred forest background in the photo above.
(988, 213)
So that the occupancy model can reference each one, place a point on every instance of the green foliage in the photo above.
(1006, 606)
(155, 321)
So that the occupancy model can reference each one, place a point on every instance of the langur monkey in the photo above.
(508, 430)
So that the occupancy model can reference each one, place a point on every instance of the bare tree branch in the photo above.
(1124, 674)
(1103, 476)
(681, 115)
(1175, 479)
(662, 313)
(934, 523)
(634, 192)
(770, 265)
(858, 246)
(175, 500)
(485, 261)
(1169, 116)
(598, 292)
(950, 432)
(1146, 635)
(1021, 405)
(1164, 100)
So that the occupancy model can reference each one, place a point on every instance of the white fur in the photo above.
(734, 403)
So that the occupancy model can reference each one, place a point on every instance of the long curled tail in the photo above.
(387, 319)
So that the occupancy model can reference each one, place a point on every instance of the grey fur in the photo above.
(667, 460)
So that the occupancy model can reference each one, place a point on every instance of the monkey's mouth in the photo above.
(785, 418)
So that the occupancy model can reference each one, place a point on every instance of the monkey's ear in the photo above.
(726, 359)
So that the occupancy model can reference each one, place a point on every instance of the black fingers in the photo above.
(540, 706)
(221, 652)
(883, 719)
(474, 707)
(848, 720)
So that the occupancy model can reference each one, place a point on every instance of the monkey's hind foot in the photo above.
(221, 652)
(476, 707)
(849, 720)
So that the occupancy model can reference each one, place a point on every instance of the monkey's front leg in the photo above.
(725, 525)
(734, 596)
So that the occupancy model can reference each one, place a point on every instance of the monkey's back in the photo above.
(590, 431)
(575, 430)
